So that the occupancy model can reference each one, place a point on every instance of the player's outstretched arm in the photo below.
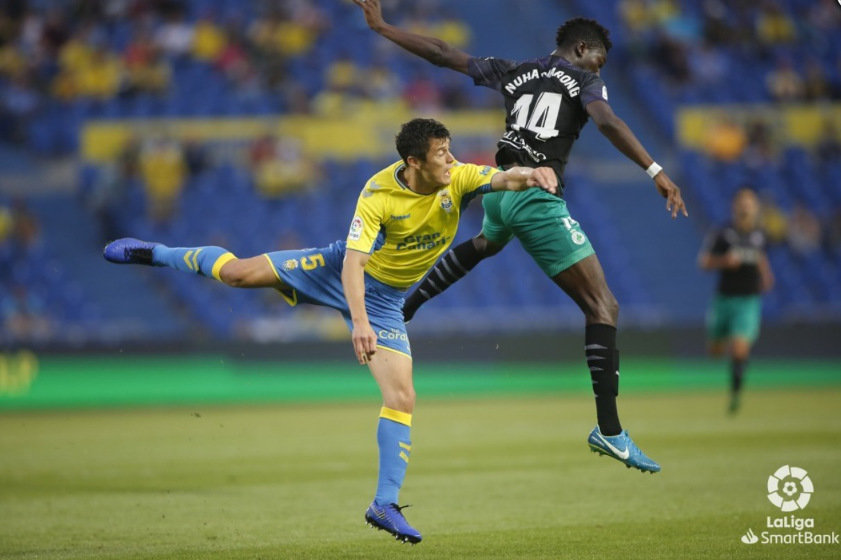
(436, 51)
(353, 282)
(728, 260)
(522, 178)
(621, 136)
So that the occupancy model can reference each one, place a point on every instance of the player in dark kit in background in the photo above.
(737, 251)
(548, 100)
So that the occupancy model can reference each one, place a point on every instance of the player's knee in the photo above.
(740, 349)
(403, 399)
(234, 274)
(603, 309)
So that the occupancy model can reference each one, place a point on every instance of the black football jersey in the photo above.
(749, 247)
(544, 101)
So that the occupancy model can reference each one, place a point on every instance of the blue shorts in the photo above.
(314, 276)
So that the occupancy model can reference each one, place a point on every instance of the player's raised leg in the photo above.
(739, 354)
(211, 261)
(450, 269)
(393, 373)
(584, 282)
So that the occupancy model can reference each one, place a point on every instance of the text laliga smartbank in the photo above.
(800, 537)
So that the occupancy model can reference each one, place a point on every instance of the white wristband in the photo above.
(653, 169)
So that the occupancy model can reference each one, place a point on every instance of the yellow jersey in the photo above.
(405, 232)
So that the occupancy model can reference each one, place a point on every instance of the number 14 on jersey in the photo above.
(540, 119)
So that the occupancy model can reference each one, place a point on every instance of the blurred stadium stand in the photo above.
(715, 89)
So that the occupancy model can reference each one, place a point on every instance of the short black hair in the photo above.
(414, 136)
(582, 29)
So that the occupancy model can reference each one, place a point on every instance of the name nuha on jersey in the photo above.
(565, 79)
(422, 242)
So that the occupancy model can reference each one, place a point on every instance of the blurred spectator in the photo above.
(102, 78)
(828, 147)
(12, 60)
(343, 89)
(718, 25)
(6, 224)
(725, 140)
(448, 29)
(26, 229)
(163, 170)
(381, 84)
(635, 16)
(235, 64)
(24, 315)
(760, 151)
(175, 36)
(146, 69)
(280, 166)
(670, 55)
(195, 156)
(804, 231)
(774, 26)
(708, 64)
(87, 69)
(815, 84)
(453, 95)
(209, 40)
(107, 193)
(20, 104)
(422, 94)
(290, 30)
(772, 219)
(784, 83)
(56, 30)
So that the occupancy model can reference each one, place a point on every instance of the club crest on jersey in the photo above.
(290, 264)
(446, 201)
(355, 229)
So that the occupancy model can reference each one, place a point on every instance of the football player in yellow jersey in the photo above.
(406, 217)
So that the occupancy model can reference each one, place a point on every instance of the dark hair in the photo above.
(582, 29)
(414, 136)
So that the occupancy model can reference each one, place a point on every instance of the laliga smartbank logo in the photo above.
(790, 490)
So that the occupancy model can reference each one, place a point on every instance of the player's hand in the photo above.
(545, 178)
(364, 342)
(671, 192)
(731, 260)
(373, 12)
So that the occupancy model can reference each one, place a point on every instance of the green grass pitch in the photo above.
(493, 476)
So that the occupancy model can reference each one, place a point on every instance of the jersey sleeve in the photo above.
(715, 243)
(468, 178)
(488, 71)
(593, 88)
(367, 221)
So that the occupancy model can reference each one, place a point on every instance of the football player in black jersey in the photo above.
(548, 100)
(737, 252)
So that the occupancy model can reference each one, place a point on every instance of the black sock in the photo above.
(603, 361)
(449, 270)
(737, 374)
